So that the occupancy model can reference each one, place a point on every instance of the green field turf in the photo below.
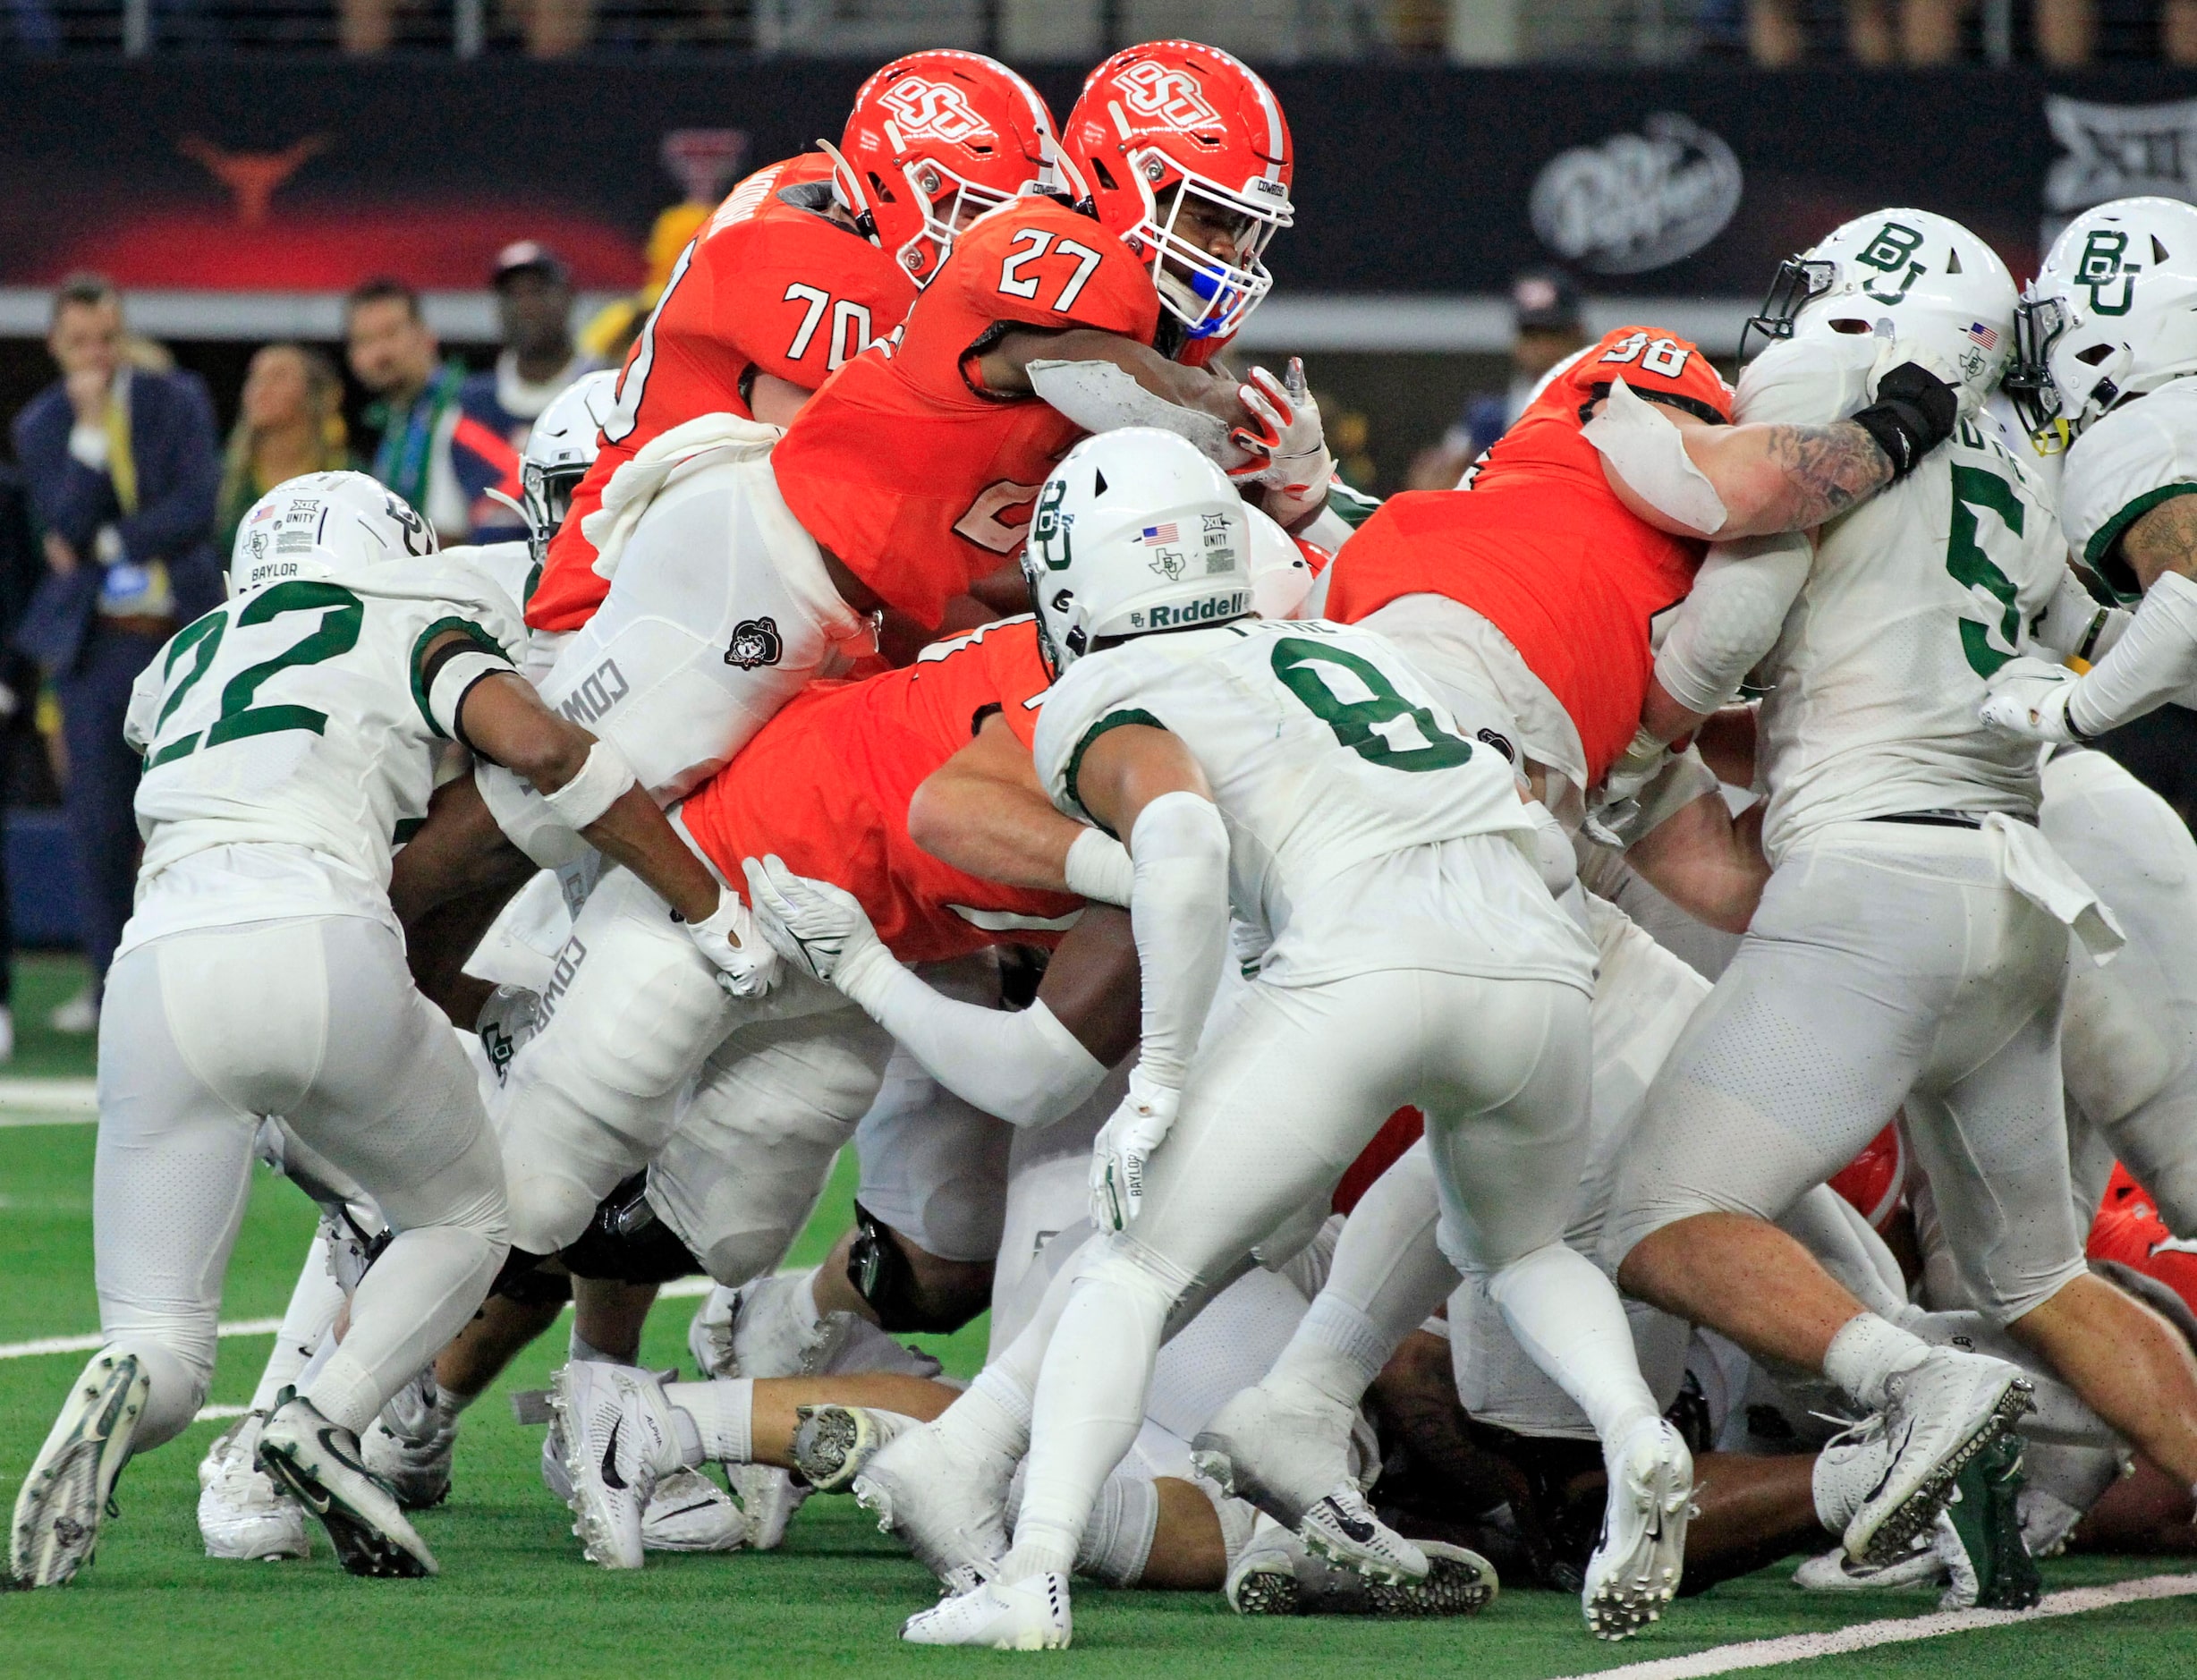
(516, 1600)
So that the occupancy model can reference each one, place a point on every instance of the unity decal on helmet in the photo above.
(1164, 92)
(932, 110)
(755, 642)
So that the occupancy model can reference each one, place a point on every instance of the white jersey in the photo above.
(1339, 776)
(1912, 601)
(296, 717)
(2128, 463)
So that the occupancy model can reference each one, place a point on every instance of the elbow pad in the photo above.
(1650, 454)
(1914, 411)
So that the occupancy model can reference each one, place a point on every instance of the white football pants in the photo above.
(202, 1034)
(1290, 1086)
(634, 1017)
(720, 612)
(2129, 1046)
(1888, 963)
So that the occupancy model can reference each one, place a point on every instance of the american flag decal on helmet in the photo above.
(1984, 335)
(1155, 534)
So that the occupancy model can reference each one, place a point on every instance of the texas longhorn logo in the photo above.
(1163, 91)
(935, 110)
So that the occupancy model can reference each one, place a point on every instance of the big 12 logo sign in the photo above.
(935, 110)
(1167, 93)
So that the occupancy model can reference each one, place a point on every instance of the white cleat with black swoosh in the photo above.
(1634, 1572)
(319, 1463)
(58, 1510)
(619, 1444)
(1938, 1413)
(1341, 1527)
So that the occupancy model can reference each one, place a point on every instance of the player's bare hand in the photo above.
(1123, 1147)
(821, 929)
(746, 964)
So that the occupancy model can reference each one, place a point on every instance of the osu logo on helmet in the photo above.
(933, 110)
(1163, 91)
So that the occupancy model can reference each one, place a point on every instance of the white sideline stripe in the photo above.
(678, 1289)
(1764, 1653)
(209, 1414)
(49, 1100)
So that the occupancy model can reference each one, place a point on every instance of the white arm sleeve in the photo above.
(2155, 661)
(1022, 1066)
(2077, 625)
(1733, 617)
(1179, 913)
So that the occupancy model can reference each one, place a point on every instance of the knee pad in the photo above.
(548, 1212)
(878, 1266)
(178, 1382)
(523, 1280)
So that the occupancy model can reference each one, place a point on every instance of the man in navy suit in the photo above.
(122, 466)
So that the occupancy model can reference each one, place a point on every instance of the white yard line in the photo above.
(1764, 1653)
(46, 1102)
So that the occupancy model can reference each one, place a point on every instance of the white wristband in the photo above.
(601, 783)
(1099, 868)
(453, 681)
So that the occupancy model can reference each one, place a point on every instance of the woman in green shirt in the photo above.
(290, 422)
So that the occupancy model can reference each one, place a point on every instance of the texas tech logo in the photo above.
(1163, 91)
(755, 642)
(931, 110)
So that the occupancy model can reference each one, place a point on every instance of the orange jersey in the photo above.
(826, 786)
(905, 466)
(768, 286)
(1540, 545)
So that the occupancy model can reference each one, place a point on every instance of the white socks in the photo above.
(1336, 1350)
(314, 1302)
(1866, 1350)
(1565, 1313)
(720, 1416)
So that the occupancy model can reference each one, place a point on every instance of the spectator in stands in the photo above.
(119, 462)
(428, 450)
(534, 306)
(289, 422)
(1926, 32)
(611, 331)
(1546, 304)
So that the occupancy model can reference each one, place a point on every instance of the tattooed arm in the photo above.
(2163, 540)
(1770, 478)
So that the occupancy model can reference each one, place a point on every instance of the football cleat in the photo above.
(1835, 1571)
(619, 1443)
(1031, 1614)
(1264, 1580)
(947, 1506)
(412, 1443)
(832, 1444)
(1979, 1534)
(1634, 1571)
(318, 1462)
(243, 1516)
(1342, 1528)
(1280, 1444)
(689, 1512)
(1458, 1582)
(1938, 1413)
(58, 1510)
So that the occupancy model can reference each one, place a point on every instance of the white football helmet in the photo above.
(1281, 576)
(2112, 313)
(324, 525)
(558, 452)
(1134, 532)
(1915, 278)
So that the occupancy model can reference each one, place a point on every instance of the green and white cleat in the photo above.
(320, 1462)
(66, 1493)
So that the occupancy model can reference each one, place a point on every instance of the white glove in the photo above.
(1121, 1149)
(1287, 441)
(747, 967)
(822, 929)
(2029, 697)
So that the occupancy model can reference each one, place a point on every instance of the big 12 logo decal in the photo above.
(1167, 93)
(932, 110)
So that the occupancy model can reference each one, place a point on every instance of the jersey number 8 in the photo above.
(1384, 728)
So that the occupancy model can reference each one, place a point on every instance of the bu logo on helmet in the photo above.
(934, 110)
(2101, 265)
(1163, 91)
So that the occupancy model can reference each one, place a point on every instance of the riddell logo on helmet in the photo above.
(932, 110)
(1204, 612)
(1163, 91)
